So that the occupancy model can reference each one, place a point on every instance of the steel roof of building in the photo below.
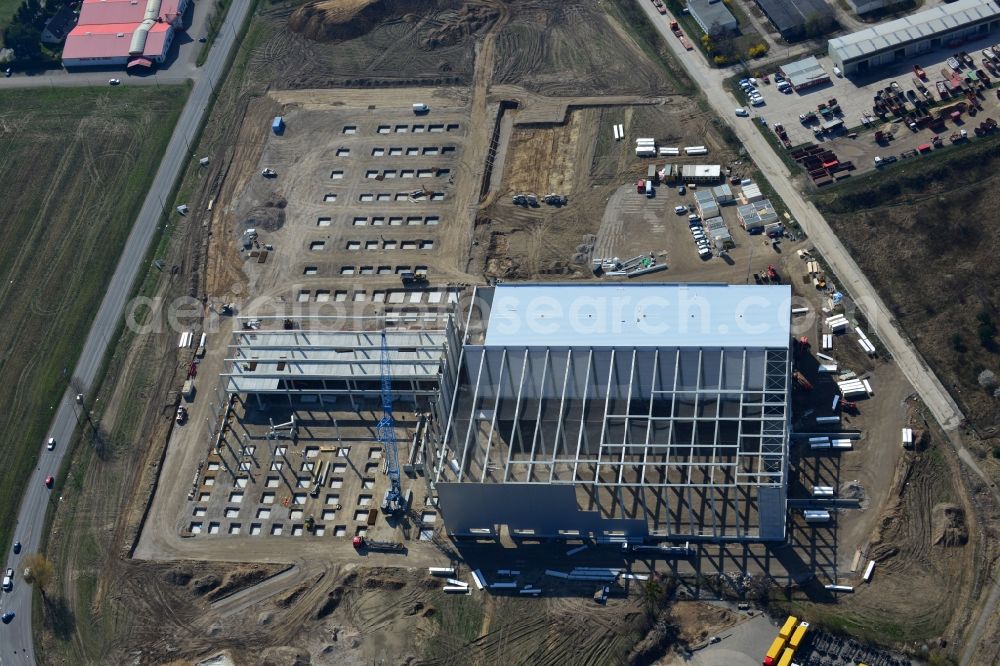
(639, 315)
(804, 72)
(792, 14)
(112, 40)
(925, 24)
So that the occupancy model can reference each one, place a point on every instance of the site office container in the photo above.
(771, 658)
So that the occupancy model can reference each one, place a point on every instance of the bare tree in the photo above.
(38, 571)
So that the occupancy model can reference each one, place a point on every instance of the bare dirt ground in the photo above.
(331, 607)
(919, 234)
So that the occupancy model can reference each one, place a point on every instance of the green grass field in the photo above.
(7, 9)
(75, 165)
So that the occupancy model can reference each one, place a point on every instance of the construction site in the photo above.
(467, 392)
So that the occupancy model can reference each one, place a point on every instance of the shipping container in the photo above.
(788, 627)
(786, 657)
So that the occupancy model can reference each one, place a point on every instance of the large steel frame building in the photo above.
(620, 411)
(335, 361)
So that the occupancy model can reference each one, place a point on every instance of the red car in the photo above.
(48, 481)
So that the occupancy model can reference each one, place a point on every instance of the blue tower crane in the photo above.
(386, 431)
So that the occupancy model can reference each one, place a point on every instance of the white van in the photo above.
(420, 108)
(649, 189)
(680, 210)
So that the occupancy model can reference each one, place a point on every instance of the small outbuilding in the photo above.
(705, 201)
(755, 216)
(723, 194)
(805, 73)
(751, 192)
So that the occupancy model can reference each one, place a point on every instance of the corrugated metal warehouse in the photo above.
(713, 17)
(614, 411)
(798, 19)
(929, 30)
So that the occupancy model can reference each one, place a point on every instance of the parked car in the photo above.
(742, 113)
(680, 210)
(757, 101)
(681, 190)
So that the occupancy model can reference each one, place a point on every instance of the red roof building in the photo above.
(134, 33)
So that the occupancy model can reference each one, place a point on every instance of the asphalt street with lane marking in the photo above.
(16, 644)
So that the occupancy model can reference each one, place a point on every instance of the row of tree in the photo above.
(24, 33)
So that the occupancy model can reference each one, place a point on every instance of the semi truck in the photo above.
(773, 653)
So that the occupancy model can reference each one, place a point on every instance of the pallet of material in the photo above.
(827, 419)
(556, 574)
(477, 578)
(822, 491)
(827, 368)
(843, 444)
(907, 438)
(869, 570)
(827, 343)
(614, 130)
(839, 588)
(441, 571)
(868, 387)
(819, 446)
(454, 589)
(533, 591)
(852, 390)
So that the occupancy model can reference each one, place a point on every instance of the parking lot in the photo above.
(854, 95)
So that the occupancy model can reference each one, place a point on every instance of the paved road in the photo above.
(16, 645)
(940, 403)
